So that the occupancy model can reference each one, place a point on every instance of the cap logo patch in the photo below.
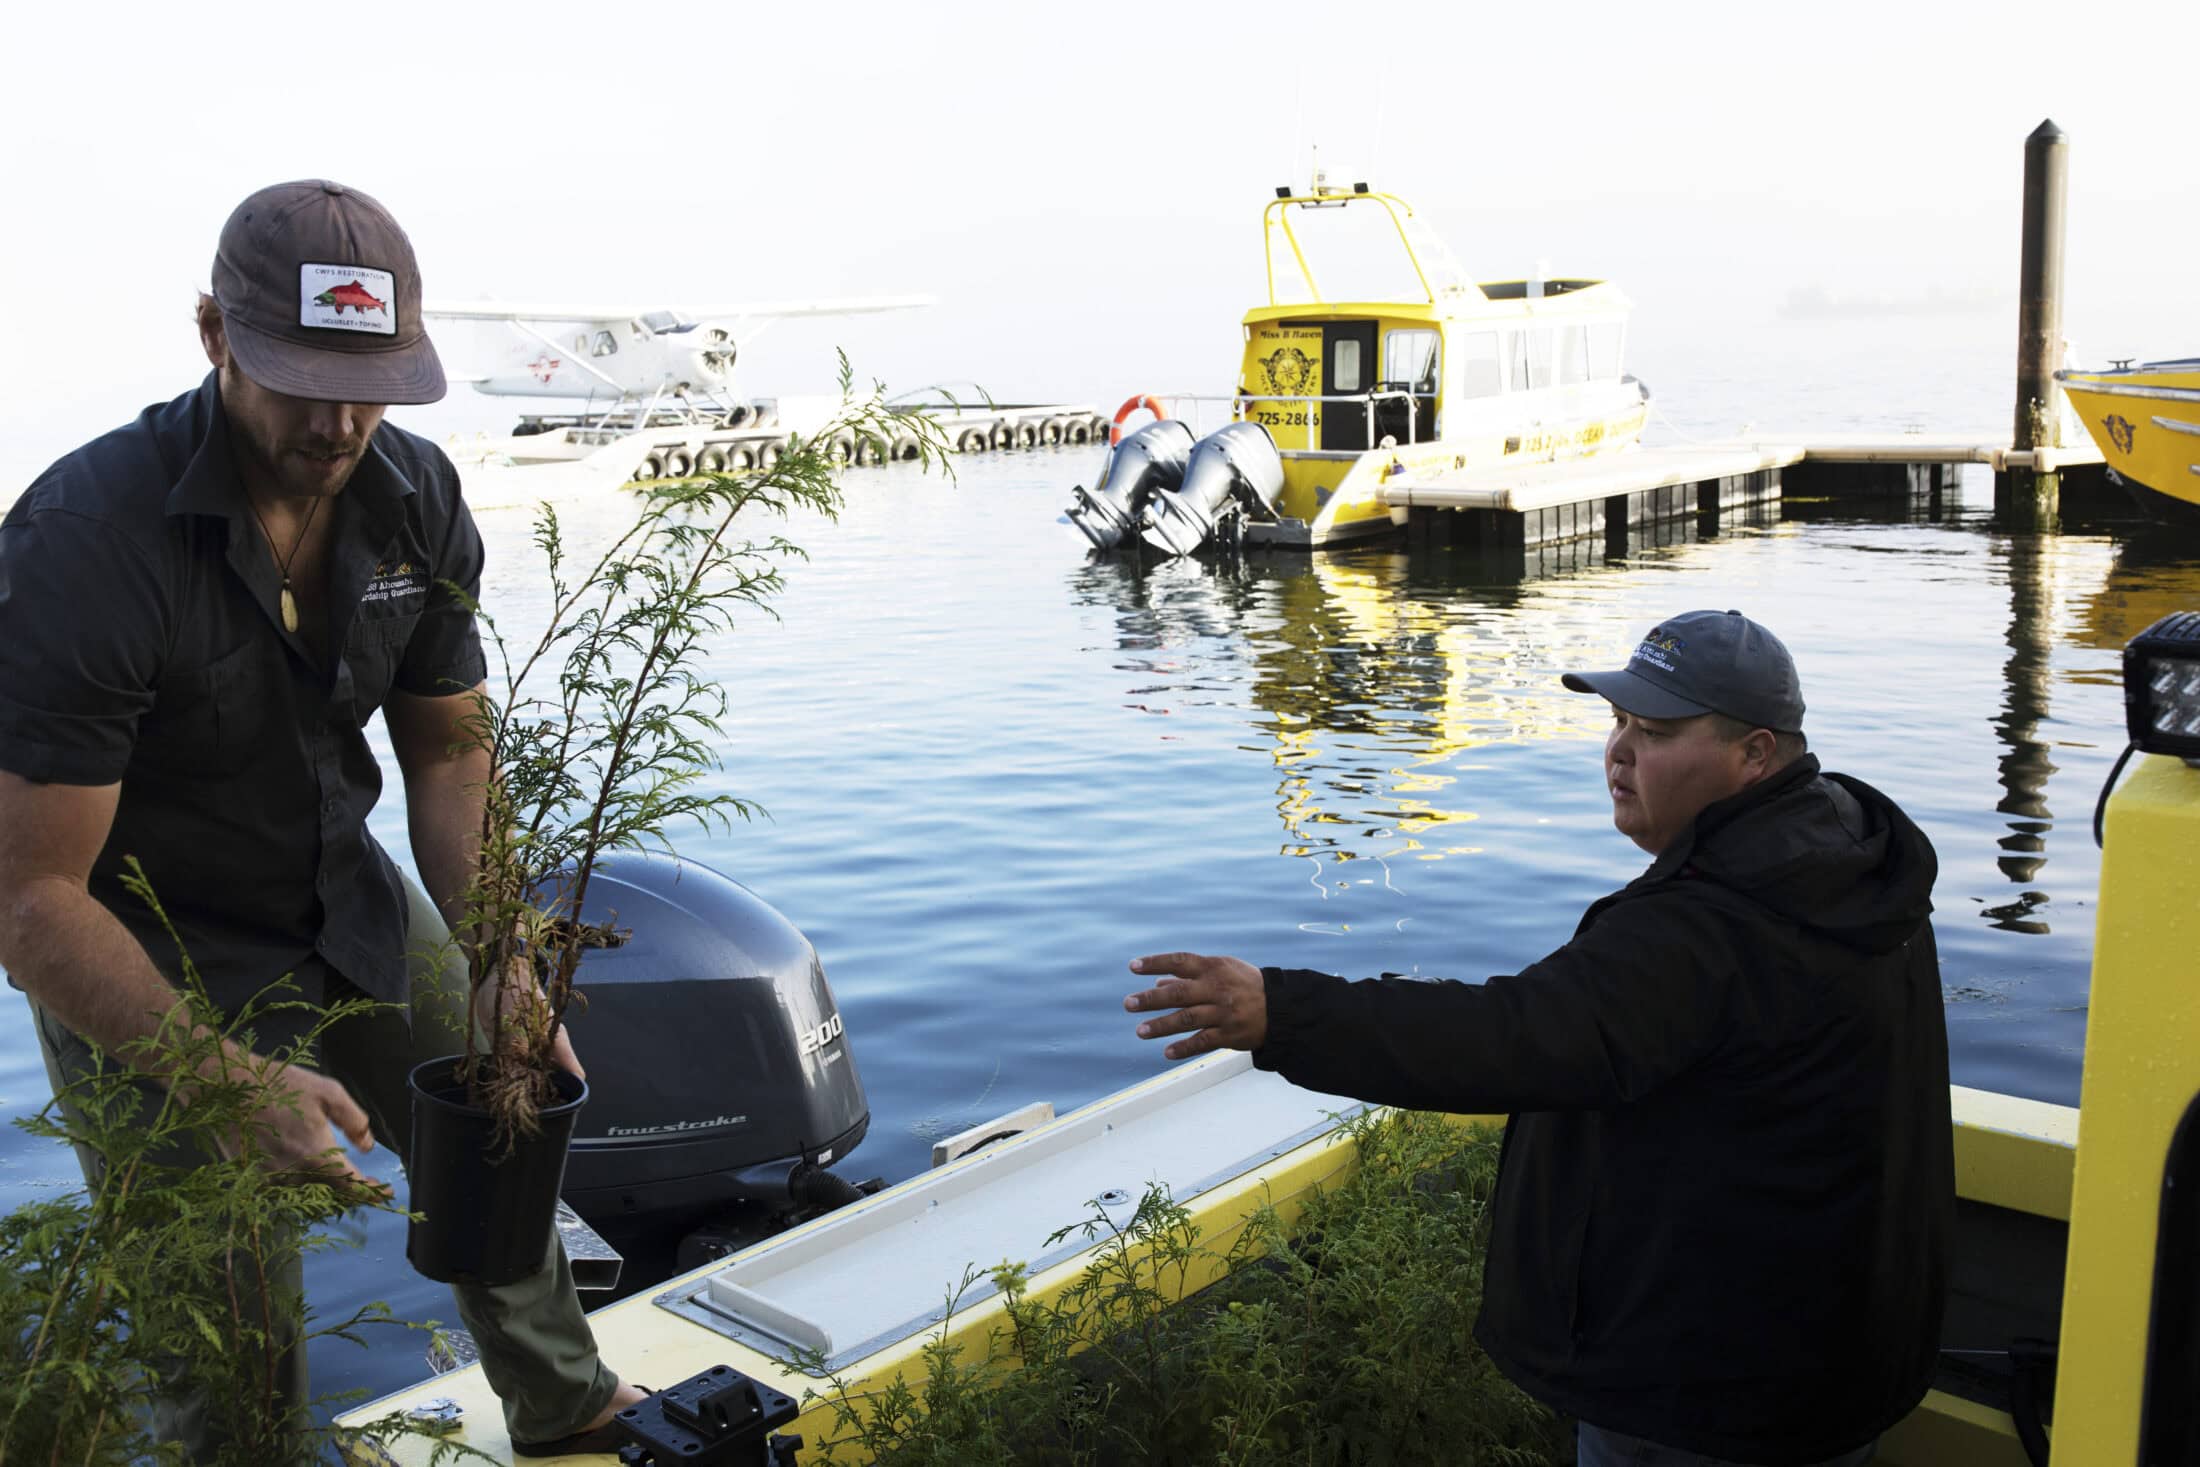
(1659, 649)
(347, 298)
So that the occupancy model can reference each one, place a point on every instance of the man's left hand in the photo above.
(1221, 1002)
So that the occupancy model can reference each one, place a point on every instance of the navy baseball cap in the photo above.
(1705, 662)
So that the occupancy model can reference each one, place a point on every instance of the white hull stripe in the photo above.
(2177, 427)
(2119, 389)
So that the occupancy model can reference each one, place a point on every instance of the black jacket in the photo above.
(1723, 1213)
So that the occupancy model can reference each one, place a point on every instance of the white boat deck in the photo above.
(1521, 488)
(882, 1270)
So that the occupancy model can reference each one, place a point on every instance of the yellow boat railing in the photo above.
(1305, 424)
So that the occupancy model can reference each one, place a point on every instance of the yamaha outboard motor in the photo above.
(1149, 460)
(719, 1075)
(1237, 465)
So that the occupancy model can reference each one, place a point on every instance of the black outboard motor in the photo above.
(719, 1075)
(1149, 460)
(1236, 465)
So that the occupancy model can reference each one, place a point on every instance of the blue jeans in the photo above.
(1596, 1447)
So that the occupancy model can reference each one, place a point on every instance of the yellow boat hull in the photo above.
(2147, 423)
(2012, 1154)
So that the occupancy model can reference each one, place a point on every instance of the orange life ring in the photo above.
(1132, 405)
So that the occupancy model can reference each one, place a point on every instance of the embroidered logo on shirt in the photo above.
(347, 298)
(394, 581)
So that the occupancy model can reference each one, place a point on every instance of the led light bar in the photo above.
(2162, 686)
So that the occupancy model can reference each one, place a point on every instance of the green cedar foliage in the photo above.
(1347, 1341)
(602, 732)
(170, 1267)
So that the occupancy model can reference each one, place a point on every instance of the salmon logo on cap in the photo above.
(354, 295)
(324, 291)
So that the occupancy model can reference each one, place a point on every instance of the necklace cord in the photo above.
(284, 561)
(286, 603)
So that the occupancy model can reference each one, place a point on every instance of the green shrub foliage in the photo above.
(1347, 1341)
(106, 1291)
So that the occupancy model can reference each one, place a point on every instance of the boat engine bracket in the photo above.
(720, 1418)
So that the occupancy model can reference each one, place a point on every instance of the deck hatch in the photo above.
(882, 1270)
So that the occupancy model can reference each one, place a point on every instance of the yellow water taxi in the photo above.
(1446, 374)
(2147, 421)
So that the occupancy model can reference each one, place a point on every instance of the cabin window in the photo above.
(1605, 341)
(606, 345)
(1541, 349)
(1411, 360)
(1481, 365)
(1573, 354)
(1345, 366)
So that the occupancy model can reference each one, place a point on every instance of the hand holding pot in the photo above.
(527, 1009)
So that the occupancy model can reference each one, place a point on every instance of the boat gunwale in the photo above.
(2077, 384)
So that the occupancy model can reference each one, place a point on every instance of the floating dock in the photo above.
(756, 434)
(550, 457)
(1552, 515)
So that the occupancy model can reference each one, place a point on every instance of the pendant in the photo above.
(290, 612)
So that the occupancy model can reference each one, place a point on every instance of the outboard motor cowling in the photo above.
(1237, 463)
(1150, 460)
(715, 1051)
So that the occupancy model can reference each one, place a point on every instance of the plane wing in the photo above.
(455, 310)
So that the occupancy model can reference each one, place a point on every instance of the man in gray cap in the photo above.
(1720, 1229)
(199, 612)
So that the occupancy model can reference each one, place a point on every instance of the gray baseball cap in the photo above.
(1705, 662)
(320, 297)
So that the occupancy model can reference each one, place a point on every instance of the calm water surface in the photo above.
(996, 770)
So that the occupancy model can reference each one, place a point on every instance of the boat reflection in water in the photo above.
(1366, 684)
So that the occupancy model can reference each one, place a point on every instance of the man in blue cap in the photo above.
(1720, 1230)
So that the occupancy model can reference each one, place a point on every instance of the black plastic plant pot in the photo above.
(488, 1209)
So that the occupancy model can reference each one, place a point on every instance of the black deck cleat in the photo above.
(720, 1418)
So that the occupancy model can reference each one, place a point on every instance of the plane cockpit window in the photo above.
(605, 345)
(666, 323)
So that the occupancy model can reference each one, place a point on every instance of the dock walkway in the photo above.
(1511, 509)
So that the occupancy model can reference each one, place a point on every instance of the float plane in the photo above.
(647, 381)
(634, 358)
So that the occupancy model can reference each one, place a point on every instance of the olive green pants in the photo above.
(535, 1344)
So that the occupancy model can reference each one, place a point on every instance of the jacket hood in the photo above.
(1823, 850)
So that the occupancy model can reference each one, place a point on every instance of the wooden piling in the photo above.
(2025, 499)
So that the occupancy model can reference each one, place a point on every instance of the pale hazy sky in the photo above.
(1081, 186)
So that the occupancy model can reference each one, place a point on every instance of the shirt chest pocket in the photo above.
(214, 719)
(373, 648)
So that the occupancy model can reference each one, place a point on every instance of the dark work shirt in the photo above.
(141, 643)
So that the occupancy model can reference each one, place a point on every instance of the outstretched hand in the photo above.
(1221, 1002)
